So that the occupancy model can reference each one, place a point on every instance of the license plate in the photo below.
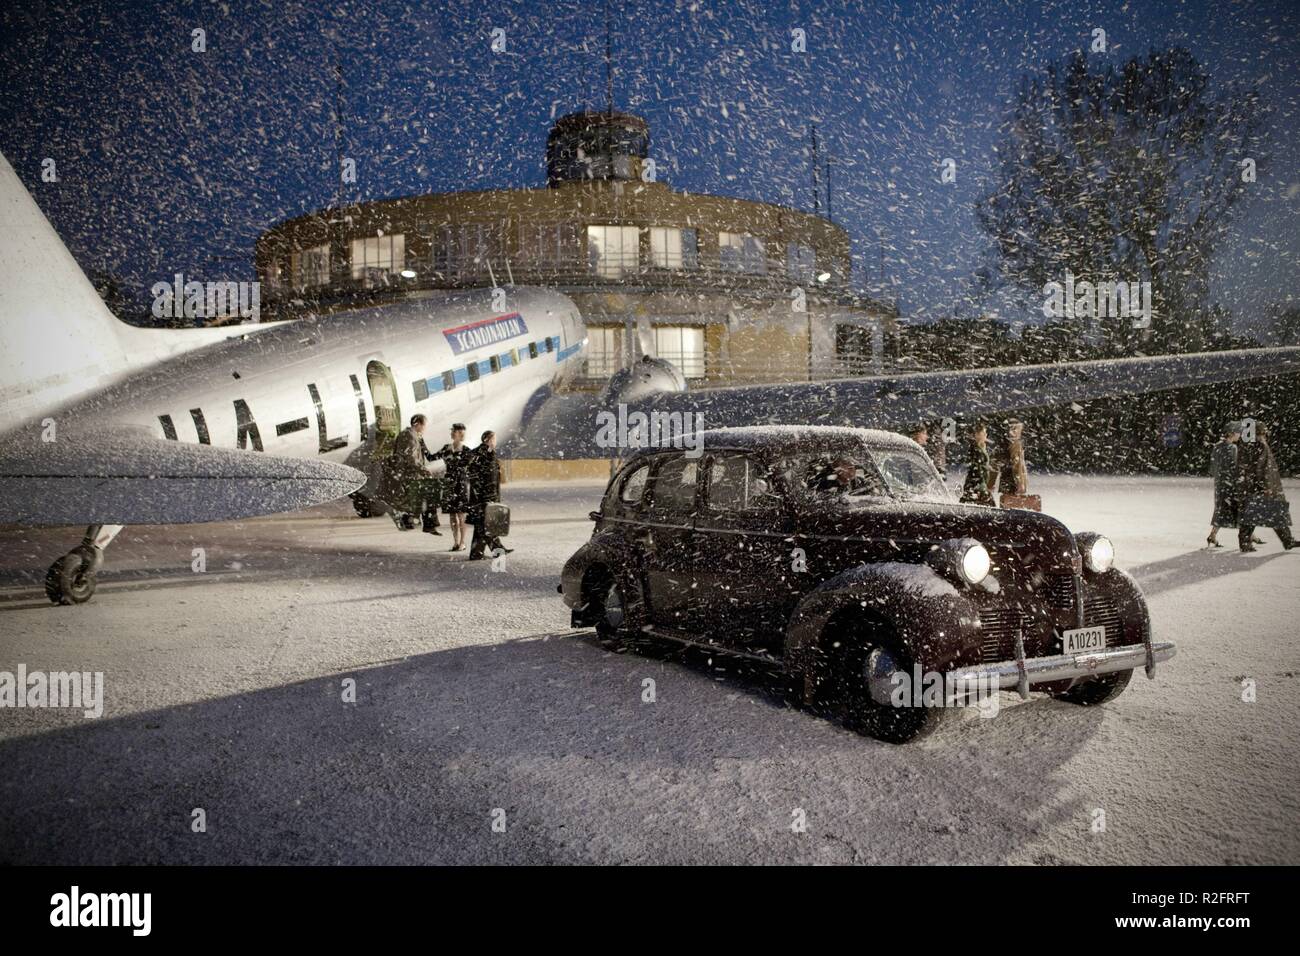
(1079, 639)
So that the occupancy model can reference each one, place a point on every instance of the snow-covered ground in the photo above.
(224, 692)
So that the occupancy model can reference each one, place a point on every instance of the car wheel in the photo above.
(620, 609)
(850, 671)
(1096, 690)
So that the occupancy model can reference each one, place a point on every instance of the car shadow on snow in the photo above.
(557, 733)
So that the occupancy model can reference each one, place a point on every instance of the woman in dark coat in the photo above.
(977, 488)
(1262, 499)
(456, 455)
(1223, 466)
(484, 487)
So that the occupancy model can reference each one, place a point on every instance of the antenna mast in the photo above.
(817, 197)
(609, 64)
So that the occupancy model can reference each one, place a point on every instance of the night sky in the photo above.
(171, 160)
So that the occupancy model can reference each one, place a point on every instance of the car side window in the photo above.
(740, 484)
(673, 487)
(634, 486)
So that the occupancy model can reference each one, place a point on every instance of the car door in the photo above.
(745, 569)
(665, 536)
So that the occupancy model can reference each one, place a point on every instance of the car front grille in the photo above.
(1100, 610)
(998, 627)
(999, 624)
(1060, 591)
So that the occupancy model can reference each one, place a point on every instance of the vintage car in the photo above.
(840, 555)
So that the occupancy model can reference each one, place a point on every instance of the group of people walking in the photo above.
(992, 471)
(1247, 488)
(472, 482)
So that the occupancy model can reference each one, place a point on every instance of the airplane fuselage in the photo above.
(321, 388)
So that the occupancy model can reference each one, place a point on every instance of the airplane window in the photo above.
(472, 370)
(550, 345)
(494, 363)
(169, 429)
(448, 381)
(421, 388)
(532, 350)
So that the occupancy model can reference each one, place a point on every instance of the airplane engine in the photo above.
(648, 377)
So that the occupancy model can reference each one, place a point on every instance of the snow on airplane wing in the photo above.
(565, 426)
(130, 477)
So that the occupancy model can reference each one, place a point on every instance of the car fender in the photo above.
(936, 621)
(603, 548)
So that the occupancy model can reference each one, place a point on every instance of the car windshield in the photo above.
(864, 472)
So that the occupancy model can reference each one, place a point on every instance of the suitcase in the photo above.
(1027, 502)
(496, 520)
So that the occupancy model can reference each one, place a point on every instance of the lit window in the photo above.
(604, 350)
(376, 257)
(800, 261)
(741, 252)
(613, 250)
(673, 248)
(683, 345)
(310, 267)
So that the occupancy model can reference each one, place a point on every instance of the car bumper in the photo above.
(1041, 670)
(958, 685)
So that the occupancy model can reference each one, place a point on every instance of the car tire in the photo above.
(846, 683)
(620, 608)
(1096, 690)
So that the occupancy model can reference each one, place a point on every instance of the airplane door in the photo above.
(388, 415)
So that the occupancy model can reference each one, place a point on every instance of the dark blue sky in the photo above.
(172, 160)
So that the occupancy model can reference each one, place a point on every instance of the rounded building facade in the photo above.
(729, 290)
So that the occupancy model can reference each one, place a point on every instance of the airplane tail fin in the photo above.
(57, 338)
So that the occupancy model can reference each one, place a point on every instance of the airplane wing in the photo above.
(565, 425)
(130, 477)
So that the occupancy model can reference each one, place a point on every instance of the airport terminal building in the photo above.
(728, 290)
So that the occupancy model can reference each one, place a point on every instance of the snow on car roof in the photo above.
(768, 436)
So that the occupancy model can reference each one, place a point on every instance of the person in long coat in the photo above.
(977, 488)
(484, 488)
(456, 454)
(406, 484)
(1227, 498)
(1262, 499)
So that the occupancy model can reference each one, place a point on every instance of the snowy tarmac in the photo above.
(223, 691)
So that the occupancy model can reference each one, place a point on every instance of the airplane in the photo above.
(106, 424)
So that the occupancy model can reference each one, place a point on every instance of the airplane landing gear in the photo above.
(364, 506)
(71, 579)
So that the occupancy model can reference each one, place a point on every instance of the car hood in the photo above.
(915, 526)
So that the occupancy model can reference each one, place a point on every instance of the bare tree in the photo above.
(1124, 174)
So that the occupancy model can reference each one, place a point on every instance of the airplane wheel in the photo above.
(70, 580)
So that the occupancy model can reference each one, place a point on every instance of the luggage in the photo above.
(1027, 502)
(496, 520)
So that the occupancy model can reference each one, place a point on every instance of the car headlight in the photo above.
(1097, 552)
(975, 563)
(962, 560)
